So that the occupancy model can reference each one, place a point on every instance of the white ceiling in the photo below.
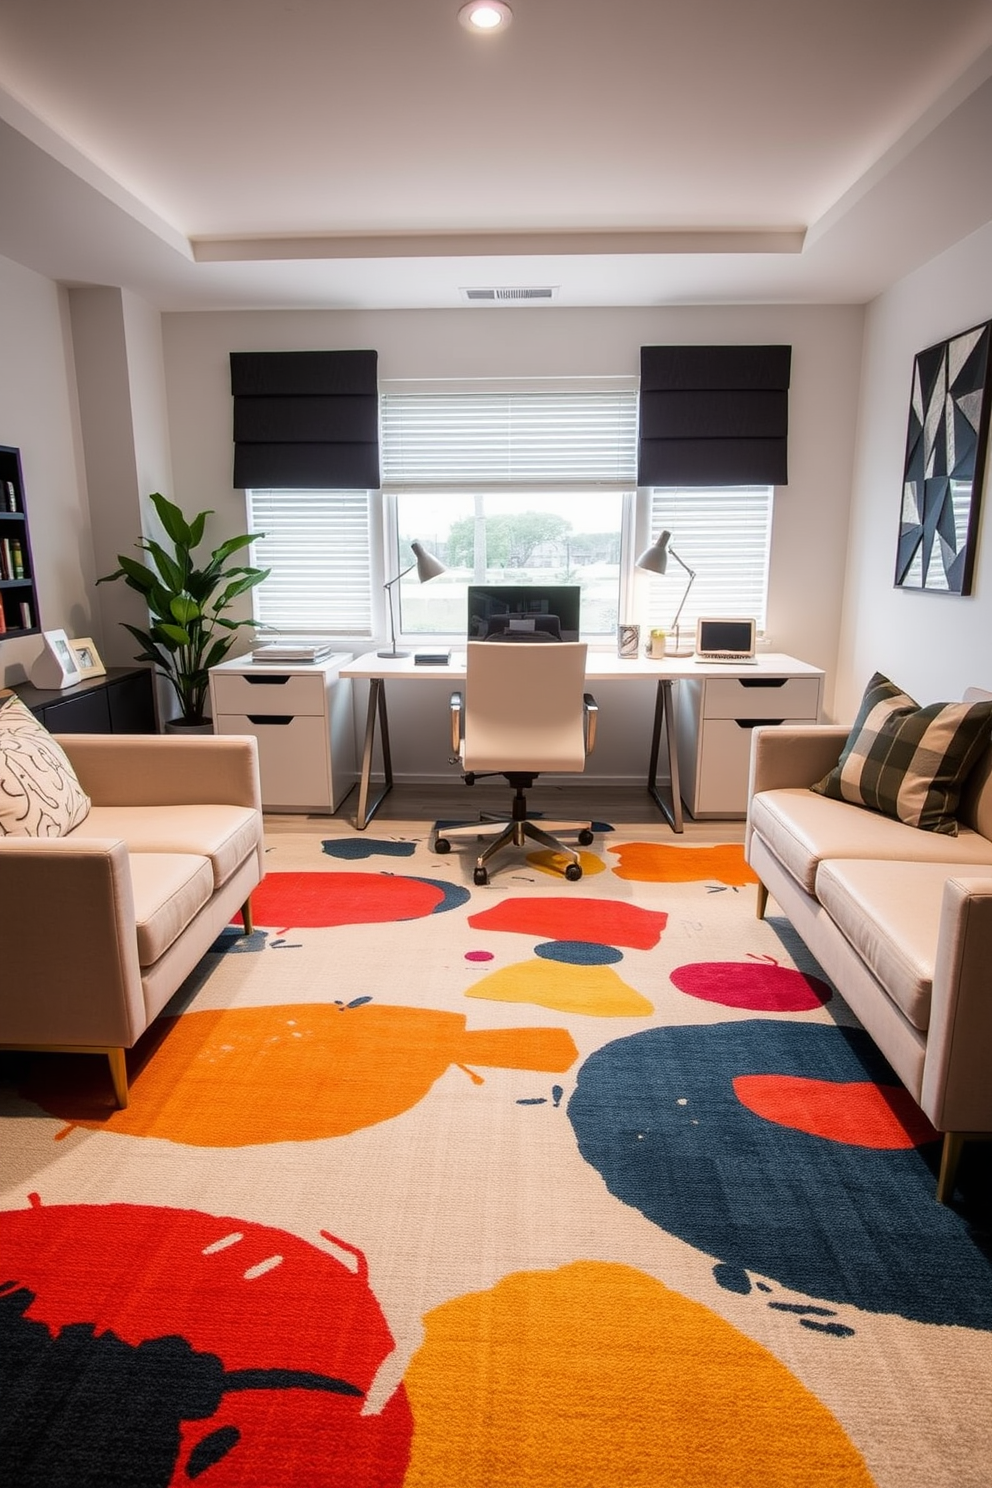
(373, 153)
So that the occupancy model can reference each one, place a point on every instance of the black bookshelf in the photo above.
(18, 597)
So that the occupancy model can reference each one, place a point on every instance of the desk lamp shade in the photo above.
(428, 567)
(655, 560)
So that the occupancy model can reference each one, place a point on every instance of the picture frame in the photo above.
(946, 444)
(87, 657)
(56, 667)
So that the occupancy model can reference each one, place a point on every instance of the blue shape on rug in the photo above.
(578, 952)
(354, 849)
(656, 1114)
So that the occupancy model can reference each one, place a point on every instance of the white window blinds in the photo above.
(318, 545)
(724, 533)
(536, 439)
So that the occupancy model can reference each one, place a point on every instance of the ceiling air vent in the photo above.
(510, 295)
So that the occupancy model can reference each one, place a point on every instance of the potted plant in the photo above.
(190, 630)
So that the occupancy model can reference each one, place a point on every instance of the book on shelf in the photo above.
(285, 651)
(10, 496)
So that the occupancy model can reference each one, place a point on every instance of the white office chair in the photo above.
(525, 711)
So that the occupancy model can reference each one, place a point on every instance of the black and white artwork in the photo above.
(945, 464)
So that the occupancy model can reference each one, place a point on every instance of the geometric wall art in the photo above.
(945, 464)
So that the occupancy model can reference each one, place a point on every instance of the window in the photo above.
(509, 484)
(519, 537)
(318, 545)
(724, 534)
(506, 484)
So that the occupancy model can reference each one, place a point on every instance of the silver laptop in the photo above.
(723, 639)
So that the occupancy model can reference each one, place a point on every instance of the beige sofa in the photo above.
(899, 918)
(101, 926)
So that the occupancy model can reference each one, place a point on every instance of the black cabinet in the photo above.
(122, 702)
(18, 599)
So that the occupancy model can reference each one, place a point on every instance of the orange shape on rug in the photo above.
(656, 862)
(597, 1374)
(604, 921)
(296, 1072)
(859, 1114)
(314, 901)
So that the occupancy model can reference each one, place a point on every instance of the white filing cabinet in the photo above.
(715, 719)
(301, 715)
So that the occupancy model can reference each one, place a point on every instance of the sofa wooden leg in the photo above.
(246, 917)
(118, 1074)
(949, 1158)
(762, 901)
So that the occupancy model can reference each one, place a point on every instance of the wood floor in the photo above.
(427, 803)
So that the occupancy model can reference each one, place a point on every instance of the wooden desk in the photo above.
(601, 666)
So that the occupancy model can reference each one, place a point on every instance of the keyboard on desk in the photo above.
(709, 657)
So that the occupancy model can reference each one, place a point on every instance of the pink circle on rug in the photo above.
(763, 986)
(479, 956)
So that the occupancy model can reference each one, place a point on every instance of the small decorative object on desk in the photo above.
(87, 657)
(628, 641)
(657, 642)
(56, 666)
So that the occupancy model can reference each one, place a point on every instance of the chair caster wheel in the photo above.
(442, 845)
(585, 839)
(573, 872)
(481, 876)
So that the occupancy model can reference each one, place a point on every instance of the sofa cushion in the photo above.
(224, 834)
(169, 891)
(40, 795)
(890, 913)
(802, 829)
(907, 761)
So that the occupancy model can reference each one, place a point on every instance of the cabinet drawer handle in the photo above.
(263, 681)
(278, 718)
(748, 723)
(763, 681)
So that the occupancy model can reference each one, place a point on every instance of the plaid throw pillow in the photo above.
(906, 761)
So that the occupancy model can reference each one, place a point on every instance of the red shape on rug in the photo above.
(604, 921)
(274, 1344)
(859, 1114)
(762, 986)
(314, 901)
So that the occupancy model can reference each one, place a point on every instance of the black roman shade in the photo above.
(306, 419)
(714, 416)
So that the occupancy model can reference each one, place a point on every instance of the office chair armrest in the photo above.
(590, 716)
(455, 704)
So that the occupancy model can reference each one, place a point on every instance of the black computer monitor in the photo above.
(518, 610)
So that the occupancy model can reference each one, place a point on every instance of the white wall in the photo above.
(38, 416)
(933, 645)
(811, 516)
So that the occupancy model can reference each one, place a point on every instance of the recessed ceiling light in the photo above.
(485, 15)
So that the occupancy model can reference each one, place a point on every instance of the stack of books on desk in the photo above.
(290, 651)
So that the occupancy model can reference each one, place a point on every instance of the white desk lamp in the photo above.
(655, 560)
(428, 567)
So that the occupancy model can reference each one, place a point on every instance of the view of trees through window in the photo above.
(509, 538)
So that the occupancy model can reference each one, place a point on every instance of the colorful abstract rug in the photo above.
(535, 1185)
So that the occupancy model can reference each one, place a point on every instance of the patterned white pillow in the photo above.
(39, 793)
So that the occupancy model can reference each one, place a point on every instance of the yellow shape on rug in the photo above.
(555, 863)
(594, 990)
(596, 1374)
